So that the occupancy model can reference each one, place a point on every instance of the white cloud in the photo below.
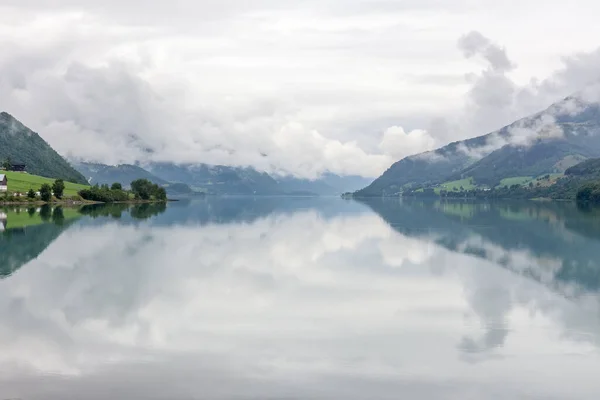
(223, 82)
(399, 144)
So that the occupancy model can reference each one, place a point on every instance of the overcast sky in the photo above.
(298, 87)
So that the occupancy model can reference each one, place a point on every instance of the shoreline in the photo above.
(78, 202)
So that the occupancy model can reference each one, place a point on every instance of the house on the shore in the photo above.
(3, 183)
(18, 167)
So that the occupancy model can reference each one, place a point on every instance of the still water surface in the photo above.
(291, 298)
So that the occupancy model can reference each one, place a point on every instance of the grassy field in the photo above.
(525, 180)
(516, 180)
(466, 184)
(22, 182)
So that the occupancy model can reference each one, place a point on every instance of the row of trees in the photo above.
(145, 190)
(105, 194)
(46, 191)
(141, 189)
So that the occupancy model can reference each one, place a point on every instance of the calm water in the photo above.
(274, 298)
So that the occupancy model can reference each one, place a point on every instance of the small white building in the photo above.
(3, 183)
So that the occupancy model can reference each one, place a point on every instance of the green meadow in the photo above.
(22, 182)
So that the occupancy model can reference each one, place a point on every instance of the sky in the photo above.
(288, 87)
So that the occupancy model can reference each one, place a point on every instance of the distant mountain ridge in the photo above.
(328, 184)
(218, 179)
(547, 142)
(21, 144)
(124, 174)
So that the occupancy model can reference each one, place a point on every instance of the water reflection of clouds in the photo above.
(288, 304)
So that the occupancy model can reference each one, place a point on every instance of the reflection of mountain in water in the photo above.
(36, 229)
(554, 243)
(18, 246)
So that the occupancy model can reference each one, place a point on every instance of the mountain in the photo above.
(328, 184)
(345, 183)
(125, 174)
(107, 174)
(547, 142)
(21, 144)
(543, 157)
(217, 179)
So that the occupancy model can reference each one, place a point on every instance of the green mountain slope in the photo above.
(21, 144)
(545, 156)
(588, 168)
(432, 167)
(488, 159)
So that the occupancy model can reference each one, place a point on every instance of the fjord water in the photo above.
(302, 298)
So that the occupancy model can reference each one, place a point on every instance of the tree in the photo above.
(7, 164)
(160, 194)
(530, 185)
(31, 194)
(589, 193)
(58, 188)
(116, 186)
(46, 192)
(142, 188)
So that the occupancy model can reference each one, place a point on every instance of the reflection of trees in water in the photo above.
(147, 210)
(58, 216)
(136, 211)
(46, 213)
(104, 210)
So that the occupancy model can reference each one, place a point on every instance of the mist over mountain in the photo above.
(551, 141)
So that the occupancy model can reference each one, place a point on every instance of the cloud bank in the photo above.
(346, 87)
